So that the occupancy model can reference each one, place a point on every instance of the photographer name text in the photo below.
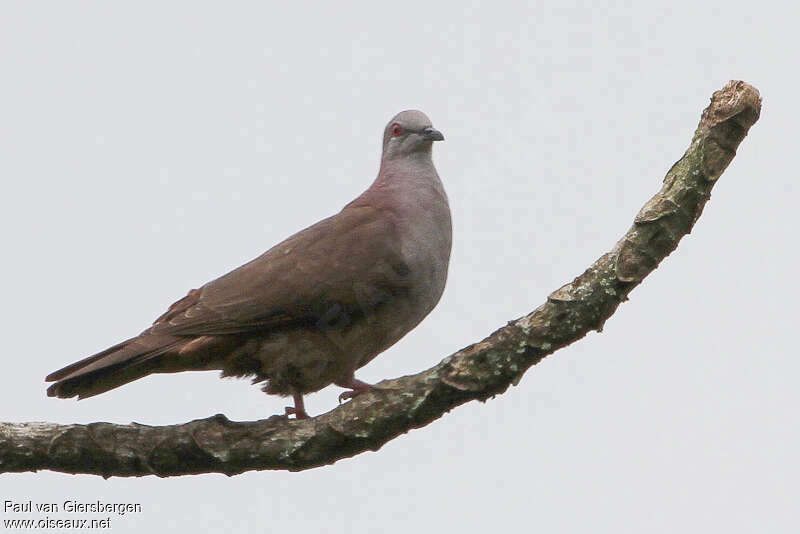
(71, 507)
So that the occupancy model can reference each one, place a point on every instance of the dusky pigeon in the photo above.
(315, 307)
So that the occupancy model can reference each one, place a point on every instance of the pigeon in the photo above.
(314, 308)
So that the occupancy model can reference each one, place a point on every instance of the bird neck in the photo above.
(411, 169)
(411, 183)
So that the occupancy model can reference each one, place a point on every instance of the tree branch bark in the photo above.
(477, 372)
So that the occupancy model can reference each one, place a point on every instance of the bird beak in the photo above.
(432, 134)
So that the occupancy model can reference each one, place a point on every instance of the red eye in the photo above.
(396, 130)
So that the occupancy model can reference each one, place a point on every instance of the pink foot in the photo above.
(291, 410)
(299, 409)
(357, 387)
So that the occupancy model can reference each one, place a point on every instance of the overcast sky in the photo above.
(147, 149)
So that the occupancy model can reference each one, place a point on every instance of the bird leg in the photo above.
(299, 408)
(356, 387)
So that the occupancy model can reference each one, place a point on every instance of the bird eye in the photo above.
(396, 130)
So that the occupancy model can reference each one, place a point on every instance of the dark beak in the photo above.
(432, 134)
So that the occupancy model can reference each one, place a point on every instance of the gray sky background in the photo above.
(147, 149)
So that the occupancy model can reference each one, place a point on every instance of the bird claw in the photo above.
(357, 387)
(345, 395)
(298, 414)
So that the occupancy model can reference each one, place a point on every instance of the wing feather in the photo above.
(341, 263)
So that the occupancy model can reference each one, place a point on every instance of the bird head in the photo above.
(409, 132)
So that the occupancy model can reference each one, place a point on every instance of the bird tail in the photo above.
(111, 368)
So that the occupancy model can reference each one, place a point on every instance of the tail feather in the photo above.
(71, 368)
(111, 368)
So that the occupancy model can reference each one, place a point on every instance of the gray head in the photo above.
(407, 133)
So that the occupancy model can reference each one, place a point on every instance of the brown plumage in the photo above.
(317, 306)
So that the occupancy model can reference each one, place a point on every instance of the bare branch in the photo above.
(476, 372)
